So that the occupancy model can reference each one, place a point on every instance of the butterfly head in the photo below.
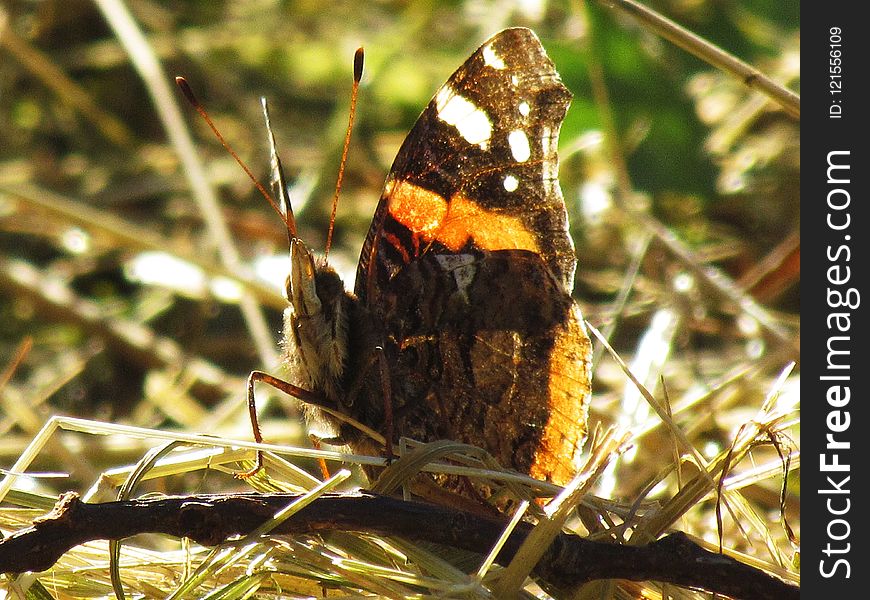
(315, 321)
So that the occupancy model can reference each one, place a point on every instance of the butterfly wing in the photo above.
(479, 168)
(468, 267)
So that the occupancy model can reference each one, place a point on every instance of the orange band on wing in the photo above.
(454, 223)
(570, 389)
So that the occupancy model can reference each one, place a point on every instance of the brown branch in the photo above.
(209, 520)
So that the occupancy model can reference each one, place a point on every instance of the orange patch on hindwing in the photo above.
(455, 222)
(568, 394)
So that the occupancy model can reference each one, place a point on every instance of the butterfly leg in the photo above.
(386, 387)
(324, 469)
(279, 384)
(378, 355)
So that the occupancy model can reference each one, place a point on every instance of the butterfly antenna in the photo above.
(287, 217)
(357, 76)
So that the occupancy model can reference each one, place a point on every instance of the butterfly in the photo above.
(461, 323)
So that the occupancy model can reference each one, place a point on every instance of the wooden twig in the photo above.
(210, 519)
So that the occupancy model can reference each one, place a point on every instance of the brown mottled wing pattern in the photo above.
(468, 267)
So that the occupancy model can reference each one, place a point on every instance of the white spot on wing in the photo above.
(519, 144)
(511, 183)
(472, 123)
(524, 108)
(491, 59)
(463, 268)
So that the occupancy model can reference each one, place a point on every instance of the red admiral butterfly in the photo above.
(463, 285)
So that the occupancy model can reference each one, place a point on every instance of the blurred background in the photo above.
(120, 303)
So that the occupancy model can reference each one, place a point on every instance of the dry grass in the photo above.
(689, 267)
